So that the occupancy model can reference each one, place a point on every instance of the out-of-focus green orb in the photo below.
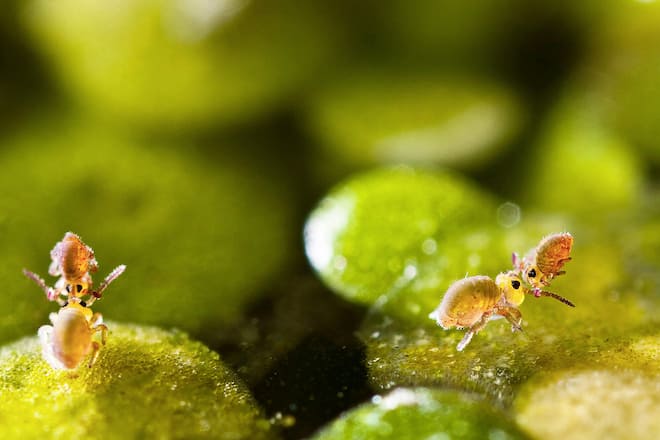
(580, 165)
(388, 115)
(626, 66)
(183, 63)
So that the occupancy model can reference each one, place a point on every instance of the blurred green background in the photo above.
(191, 140)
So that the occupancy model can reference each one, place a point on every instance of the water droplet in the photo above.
(439, 436)
(339, 263)
(429, 246)
(414, 308)
(508, 214)
(410, 271)
(474, 260)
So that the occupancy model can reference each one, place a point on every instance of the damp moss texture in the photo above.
(439, 227)
(296, 184)
(414, 413)
(611, 334)
(147, 383)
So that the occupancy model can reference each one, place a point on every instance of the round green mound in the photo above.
(592, 404)
(380, 231)
(575, 143)
(380, 116)
(147, 383)
(400, 236)
(172, 64)
(422, 413)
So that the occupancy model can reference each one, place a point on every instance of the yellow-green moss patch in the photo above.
(147, 383)
(593, 404)
(422, 413)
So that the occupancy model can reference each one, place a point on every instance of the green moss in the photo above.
(403, 232)
(378, 116)
(592, 404)
(398, 237)
(147, 383)
(580, 166)
(422, 413)
(173, 64)
(200, 233)
(600, 330)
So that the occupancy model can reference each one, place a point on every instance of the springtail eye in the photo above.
(531, 273)
(79, 288)
(83, 303)
(515, 284)
(68, 288)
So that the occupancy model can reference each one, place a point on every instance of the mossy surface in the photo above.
(200, 235)
(384, 116)
(398, 237)
(147, 383)
(593, 403)
(610, 315)
(171, 64)
(398, 230)
(416, 413)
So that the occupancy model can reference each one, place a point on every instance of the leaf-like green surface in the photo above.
(147, 383)
(593, 403)
(172, 65)
(400, 236)
(397, 230)
(422, 413)
(383, 117)
(610, 316)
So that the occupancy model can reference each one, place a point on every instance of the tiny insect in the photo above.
(544, 262)
(473, 301)
(73, 261)
(70, 339)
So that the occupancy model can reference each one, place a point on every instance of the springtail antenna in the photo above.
(557, 297)
(110, 278)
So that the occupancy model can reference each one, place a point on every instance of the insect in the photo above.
(70, 339)
(544, 262)
(73, 261)
(473, 301)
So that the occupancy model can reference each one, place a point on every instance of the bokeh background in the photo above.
(191, 139)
